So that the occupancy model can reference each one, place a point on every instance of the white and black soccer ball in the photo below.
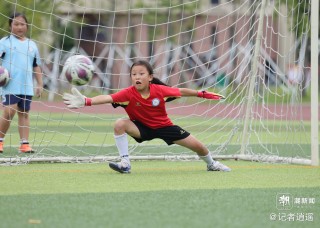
(78, 70)
(4, 76)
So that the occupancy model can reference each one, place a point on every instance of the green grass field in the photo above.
(157, 194)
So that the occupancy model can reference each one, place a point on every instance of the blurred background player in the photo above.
(20, 56)
(144, 103)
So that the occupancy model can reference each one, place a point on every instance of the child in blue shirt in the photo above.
(20, 56)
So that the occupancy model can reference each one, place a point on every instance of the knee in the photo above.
(120, 126)
(8, 114)
(23, 114)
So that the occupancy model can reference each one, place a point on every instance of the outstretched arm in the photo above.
(204, 94)
(188, 92)
(77, 100)
(101, 99)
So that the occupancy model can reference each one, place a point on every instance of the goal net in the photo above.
(256, 53)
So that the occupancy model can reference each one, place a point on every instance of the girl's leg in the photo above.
(5, 120)
(122, 127)
(195, 145)
(24, 126)
(24, 129)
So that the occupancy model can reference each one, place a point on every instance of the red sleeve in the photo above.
(170, 93)
(121, 97)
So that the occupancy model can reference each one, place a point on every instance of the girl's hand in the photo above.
(39, 91)
(210, 95)
(76, 99)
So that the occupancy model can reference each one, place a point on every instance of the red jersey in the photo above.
(150, 111)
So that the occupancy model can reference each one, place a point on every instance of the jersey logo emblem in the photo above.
(155, 102)
(182, 132)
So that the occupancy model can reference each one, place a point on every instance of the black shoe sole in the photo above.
(27, 152)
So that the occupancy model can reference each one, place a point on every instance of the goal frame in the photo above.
(314, 161)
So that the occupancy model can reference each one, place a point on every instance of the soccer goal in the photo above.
(262, 55)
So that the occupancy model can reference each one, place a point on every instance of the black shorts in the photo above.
(168, 134)
(23, 101)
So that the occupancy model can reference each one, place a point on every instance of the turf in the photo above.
(155, 194)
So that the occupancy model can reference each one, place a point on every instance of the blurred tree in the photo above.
(177, 14)
(299, 10)
(39, 13)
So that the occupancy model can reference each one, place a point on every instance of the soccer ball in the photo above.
(4, 76)
(78, 70)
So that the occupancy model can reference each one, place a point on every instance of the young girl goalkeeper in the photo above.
(20, 56)
(144, 103)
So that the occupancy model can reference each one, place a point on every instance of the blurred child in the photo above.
(20, 56)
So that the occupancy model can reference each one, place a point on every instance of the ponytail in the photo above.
(158, 82)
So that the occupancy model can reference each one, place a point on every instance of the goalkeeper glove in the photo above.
(76, 99)
(210, 95)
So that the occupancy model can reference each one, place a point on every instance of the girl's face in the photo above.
(140, 78)
(19, 27)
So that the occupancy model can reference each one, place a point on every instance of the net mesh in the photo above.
(194, 44)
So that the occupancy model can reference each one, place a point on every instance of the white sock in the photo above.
(208, 159)
(122, 145)
(24, 141)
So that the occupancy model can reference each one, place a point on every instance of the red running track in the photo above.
(276, 112)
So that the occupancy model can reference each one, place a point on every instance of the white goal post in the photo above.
(262, 55)
(315, 83)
